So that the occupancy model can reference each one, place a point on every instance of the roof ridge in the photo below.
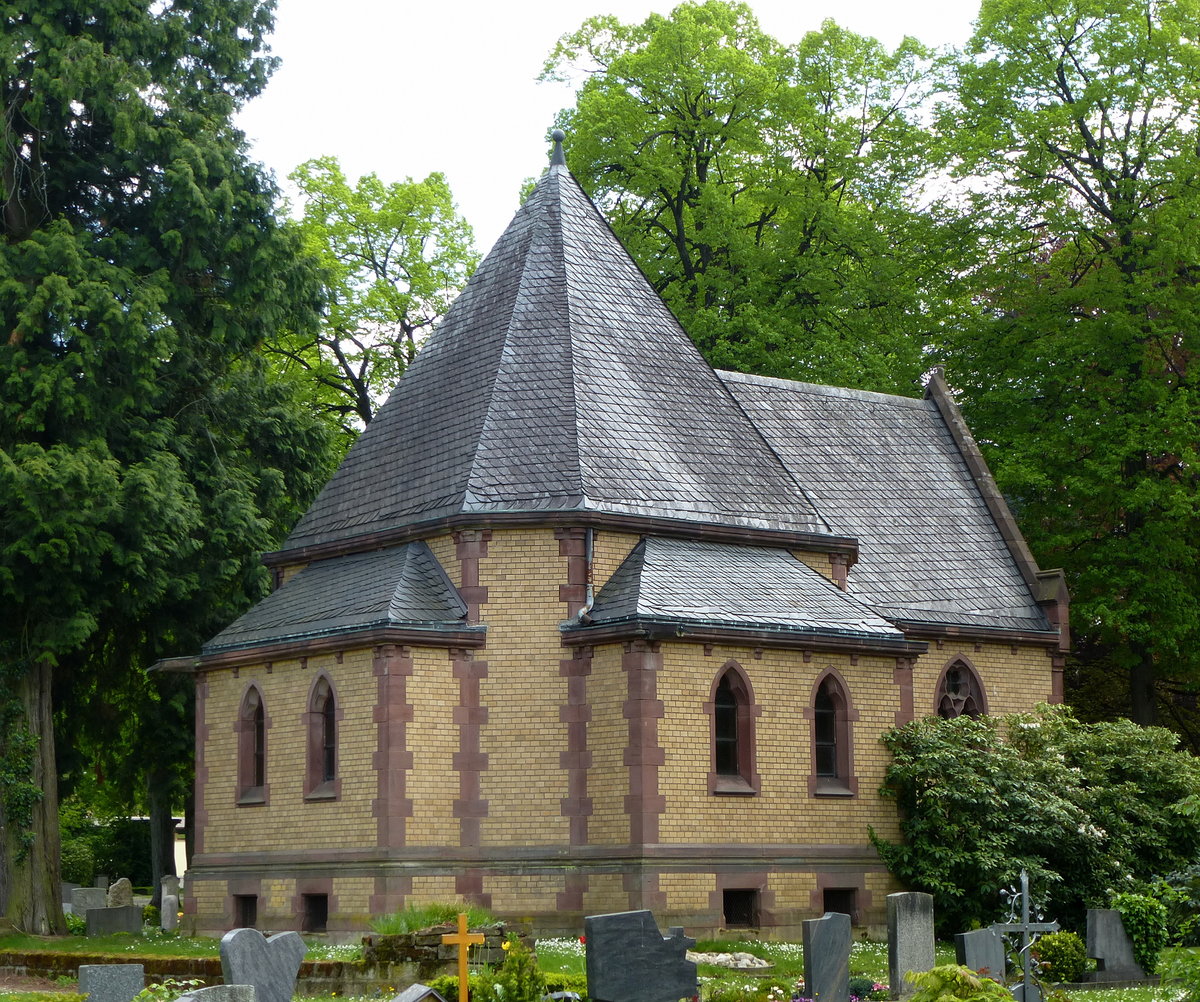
(817, 389)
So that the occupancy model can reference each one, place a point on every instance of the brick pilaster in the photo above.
(392, 760)
(643, 709)
(470, 546)
(469, 761)
(902, 676)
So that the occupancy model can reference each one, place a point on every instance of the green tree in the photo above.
(766, 190)
(146, 453)
(1075, 125)
(1083, 807)
(394, 256)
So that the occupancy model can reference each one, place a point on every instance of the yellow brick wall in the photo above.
(609, 549)
(432, 738)
(819, 562)
(287, 820)
(607, 738)
(1012, 680)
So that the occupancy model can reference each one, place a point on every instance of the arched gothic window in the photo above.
(733, 712)
(960, 692)
(252, 749)
(321, 722)
(832, 746)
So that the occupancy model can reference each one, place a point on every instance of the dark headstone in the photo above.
(111, 982)
(982, 950)
(827, 957)
(1109, 944)
(910, 938)
(629, 960)
(270, 965)
(67, 889)
(106, 921)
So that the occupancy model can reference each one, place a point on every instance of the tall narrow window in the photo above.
(733, 711)
(832, 741)
(321, 722)
(252, 749)
(960, 692)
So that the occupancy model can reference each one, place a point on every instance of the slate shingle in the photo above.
(886, 470)
(401, 586)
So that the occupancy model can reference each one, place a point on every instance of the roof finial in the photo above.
(557, 156)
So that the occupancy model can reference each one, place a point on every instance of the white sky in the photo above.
(406, 87)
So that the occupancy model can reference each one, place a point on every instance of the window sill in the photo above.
(253, 796)
(324, 791)
(830, 787)
(733, 786)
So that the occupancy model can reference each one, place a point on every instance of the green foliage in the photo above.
(763, 188)
(76, 924)
(1182, 969)
(565, 981)
(1082, 807)
(168, 989)
(151, 916)
(1074, 128)
(422, 916)
(1062, 957)
(1179, 892)
(952, 981)
(393, 257)
(1145, 920)
(517, 979)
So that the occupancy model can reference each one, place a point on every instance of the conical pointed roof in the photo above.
(558, 382)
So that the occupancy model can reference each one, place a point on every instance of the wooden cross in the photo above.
(463, 940)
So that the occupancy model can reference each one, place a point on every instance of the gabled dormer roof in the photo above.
(558, 382)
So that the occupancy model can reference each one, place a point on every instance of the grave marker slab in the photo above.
(270, 965)
(910, 938)
(220, 993)
(111, 982)
(83, 898)
(629, 960)
(1108, 943)
(120, 893)
(106, 921)
(827, 957)
(982, 950)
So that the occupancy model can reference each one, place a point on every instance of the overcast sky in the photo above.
(406, 87)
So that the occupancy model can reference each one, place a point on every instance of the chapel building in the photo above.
(581, 625)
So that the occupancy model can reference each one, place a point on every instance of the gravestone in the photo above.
(1108, 943)
(419, 993)
(910, 938)
(67, 889)
(270, 965)
(83, 898)
(120, 893)
(982, 950)
(629, 960)
(827, 957)
(220, 993)
(1028, 930)
(168, 911)
(111, 982)
(106, 921)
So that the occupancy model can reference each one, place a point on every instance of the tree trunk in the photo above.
(162, 830)
(1143, 706)
(30, 886)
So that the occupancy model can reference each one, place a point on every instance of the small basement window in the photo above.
(245, 911)
(740, 907)
(842, 899)
(316, 912)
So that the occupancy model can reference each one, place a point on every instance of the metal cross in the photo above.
(1026, 991)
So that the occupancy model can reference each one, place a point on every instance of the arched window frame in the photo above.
(322, 725)
(743, 780)
(970, 697)
(252, 726)
(842, 782)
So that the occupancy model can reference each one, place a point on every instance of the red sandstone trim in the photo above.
(645, 629)
(469, 887)
(839, 880)
(470, 546)
(390, 894)
(337, 643)
(755, 880)
(576, 713)
(469, 762)
(392, 759)
(642, 889)
(1057, 665)
(643, 755)
(201, 812)
(847, 718)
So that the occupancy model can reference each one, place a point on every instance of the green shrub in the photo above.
(1062, 956)
(1180, 892)
(167, 990)
(516, 980)
(78, 861)
(76, 924)
(422, 916)
(951, 981)
(1183, 970)
(563, 981)
(151, 916)
(1145, 920)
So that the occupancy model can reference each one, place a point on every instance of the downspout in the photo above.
(590, 541)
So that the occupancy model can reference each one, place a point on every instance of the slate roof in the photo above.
(401, 586)
(727, 585)
(559, 381)
(887, 470)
